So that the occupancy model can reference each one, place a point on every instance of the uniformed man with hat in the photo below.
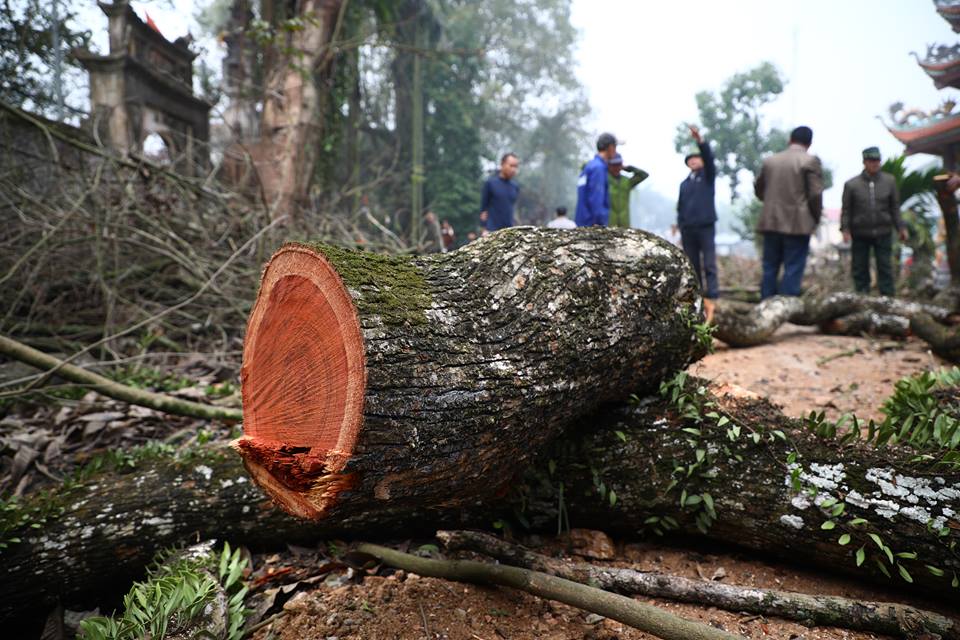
(870, 215)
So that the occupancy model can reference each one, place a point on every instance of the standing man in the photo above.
(697, 219)
(791, 188)
(871, 211)
(500, 194)
(620, 187)
(593, 190)
(561, 221)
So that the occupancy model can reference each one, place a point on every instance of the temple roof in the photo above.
(942, 64)
(927, 133)
(950, 11)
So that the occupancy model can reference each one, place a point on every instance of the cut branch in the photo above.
(638, 615)
(158, 401)
(822, 610)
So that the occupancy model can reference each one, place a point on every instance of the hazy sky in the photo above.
(643, 61)
(846, 61)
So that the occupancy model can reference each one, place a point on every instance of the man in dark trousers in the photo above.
(593, 191)
(870, 214)
(697, 218)
(500, 194)
(791, 188)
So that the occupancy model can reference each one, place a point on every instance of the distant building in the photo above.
(144, 87)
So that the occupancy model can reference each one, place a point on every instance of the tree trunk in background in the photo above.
(946, 187)
(373, 382)
(290, 124)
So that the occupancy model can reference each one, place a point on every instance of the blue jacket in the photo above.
(593, 195)
(497, 199)
(695, 207)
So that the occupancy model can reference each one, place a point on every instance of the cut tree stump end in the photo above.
(303, 381)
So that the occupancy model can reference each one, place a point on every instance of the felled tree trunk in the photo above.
(741, 324)
(97, 536)
(643, 469)
(374, 382)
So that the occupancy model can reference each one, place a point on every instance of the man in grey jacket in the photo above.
(871, 212)
(791, 188)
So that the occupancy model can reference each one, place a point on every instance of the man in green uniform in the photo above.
(870, 216)
(620, 187)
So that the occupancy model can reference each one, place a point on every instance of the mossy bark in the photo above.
(472, 360)
(644, 456)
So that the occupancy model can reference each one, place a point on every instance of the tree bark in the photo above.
(811, 610)
(653, 460)
(741, 324)
(290, 123)
(97, 535)
(372, 381)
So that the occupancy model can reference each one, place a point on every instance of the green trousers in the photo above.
(882, 247)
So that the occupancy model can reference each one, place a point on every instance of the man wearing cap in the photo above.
(870, 214)
(500, 194)
(593, 191)
(790, 184)
(697, 218)
(620, 187)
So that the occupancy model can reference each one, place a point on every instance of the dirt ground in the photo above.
(804, 370)
(800, 369)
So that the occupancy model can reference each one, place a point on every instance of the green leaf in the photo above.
(838, 509)
(621, 435)
(844, 539)
(876, 539)
(904, 573)
(552, 466)
(613, 497)
(883, 569)
(652, 520)
(792, 457)
(694, 499)
(829, 524)
(756, 438)
(861, 556)
(935, 571)
(722, 421)
(857, 521)
(907, 555)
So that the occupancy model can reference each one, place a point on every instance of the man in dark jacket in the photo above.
(593, 191)
(697, 218)
(790, 185)
(871, 212)
(500, 194)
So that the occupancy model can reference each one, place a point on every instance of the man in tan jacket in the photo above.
(791, 188)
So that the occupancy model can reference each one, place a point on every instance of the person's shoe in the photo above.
(709, 306)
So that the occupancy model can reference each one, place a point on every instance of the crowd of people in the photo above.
(790, 186)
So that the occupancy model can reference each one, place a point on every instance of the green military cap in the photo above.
(871, 153)
(691, 153)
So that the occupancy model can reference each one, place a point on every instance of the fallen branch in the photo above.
(877, 617)
(639, 615)
(741, 324)
(158, 401)
(945, 341)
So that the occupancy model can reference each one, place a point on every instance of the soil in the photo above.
(800, 369)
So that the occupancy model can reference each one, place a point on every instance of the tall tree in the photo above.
(733, 119)
(298, 35)
(36, 40)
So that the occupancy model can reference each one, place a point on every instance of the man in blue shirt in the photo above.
(500, 194)
(593, 194)
(697, 218)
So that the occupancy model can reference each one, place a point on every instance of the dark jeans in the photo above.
(860, 263)
(698, 244)
(790, 251)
